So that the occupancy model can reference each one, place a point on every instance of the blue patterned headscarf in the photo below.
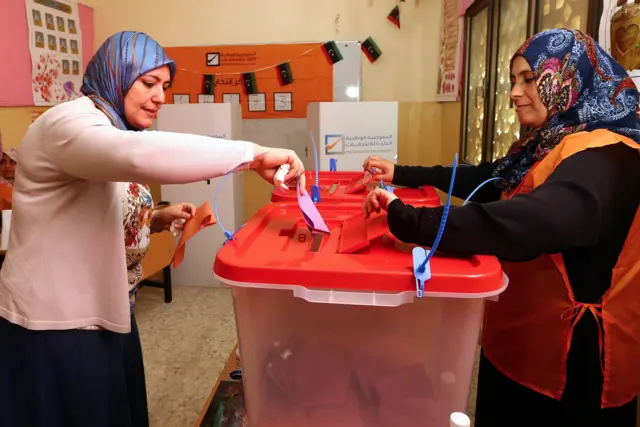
(583, 88)
(119, 62)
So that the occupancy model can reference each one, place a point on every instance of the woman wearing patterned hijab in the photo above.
(70, 353)
(562, 343)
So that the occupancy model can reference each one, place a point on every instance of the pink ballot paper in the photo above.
(310, 213)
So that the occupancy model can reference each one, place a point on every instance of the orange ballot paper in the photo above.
(203, 218)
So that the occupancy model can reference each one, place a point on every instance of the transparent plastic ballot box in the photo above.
(332, 332)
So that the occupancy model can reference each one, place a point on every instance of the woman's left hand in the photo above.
(164, 217)
(377, 200)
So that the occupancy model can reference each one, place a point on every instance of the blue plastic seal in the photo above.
(421, 269)
(333, 165)
(315, 193)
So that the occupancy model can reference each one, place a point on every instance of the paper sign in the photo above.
(203, 218)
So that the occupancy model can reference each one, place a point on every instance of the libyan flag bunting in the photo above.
(284, 74)
(249, 80)
(394, 16)
(371, 49)
(207, 84)
(332, 52)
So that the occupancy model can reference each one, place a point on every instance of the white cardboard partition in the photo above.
(349, 132)
(222, 120)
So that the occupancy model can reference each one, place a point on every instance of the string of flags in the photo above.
(284, 73)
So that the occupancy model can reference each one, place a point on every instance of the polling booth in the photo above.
(346, 133)
(221, 120)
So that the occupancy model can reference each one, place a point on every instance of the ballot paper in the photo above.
(310, 212)
(202, 218)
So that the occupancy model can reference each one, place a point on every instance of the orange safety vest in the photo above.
(527, 332)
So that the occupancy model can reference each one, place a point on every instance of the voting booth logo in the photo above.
(334, 144)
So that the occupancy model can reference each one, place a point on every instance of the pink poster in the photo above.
(16, 75)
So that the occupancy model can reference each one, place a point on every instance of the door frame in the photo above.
(473, 10)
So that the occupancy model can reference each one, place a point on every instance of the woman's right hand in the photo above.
(382, 169)
(267, 161)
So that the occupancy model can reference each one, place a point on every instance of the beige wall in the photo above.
(405, 72)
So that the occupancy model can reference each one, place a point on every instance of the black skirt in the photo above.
(73, 378)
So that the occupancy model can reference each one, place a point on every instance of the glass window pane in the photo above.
(475, 87)
(512, 33)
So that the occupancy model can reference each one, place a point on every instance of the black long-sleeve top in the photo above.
(584, 211)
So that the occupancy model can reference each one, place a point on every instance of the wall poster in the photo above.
(55, 43)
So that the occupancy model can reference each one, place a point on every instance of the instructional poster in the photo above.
(212, 74)
(620, 34)
(55, 43)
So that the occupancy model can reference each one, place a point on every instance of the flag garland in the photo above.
(371, 49)
(394, 16)
(208, 84)
(332, 52)
(285, 76)
(250, 87)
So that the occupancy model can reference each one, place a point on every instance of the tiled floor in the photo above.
(186, 343)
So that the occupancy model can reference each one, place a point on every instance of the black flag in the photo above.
(250, 87)
(207, 84)
(394, 16)
(284, 74)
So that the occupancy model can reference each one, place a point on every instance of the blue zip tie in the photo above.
(422, 272)
(315, 189)
(229, 235)
(479, 187)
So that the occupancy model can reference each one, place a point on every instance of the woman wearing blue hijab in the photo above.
(70, 354)
(561, 345)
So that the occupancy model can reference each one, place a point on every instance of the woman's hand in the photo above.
(176, 214)
(383, 169)
(268, 160)
(376, 201)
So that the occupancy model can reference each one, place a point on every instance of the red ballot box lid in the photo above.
(276, 249)
(346, 187)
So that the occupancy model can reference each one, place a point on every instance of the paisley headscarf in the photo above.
(119, 62)
(583, 88)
